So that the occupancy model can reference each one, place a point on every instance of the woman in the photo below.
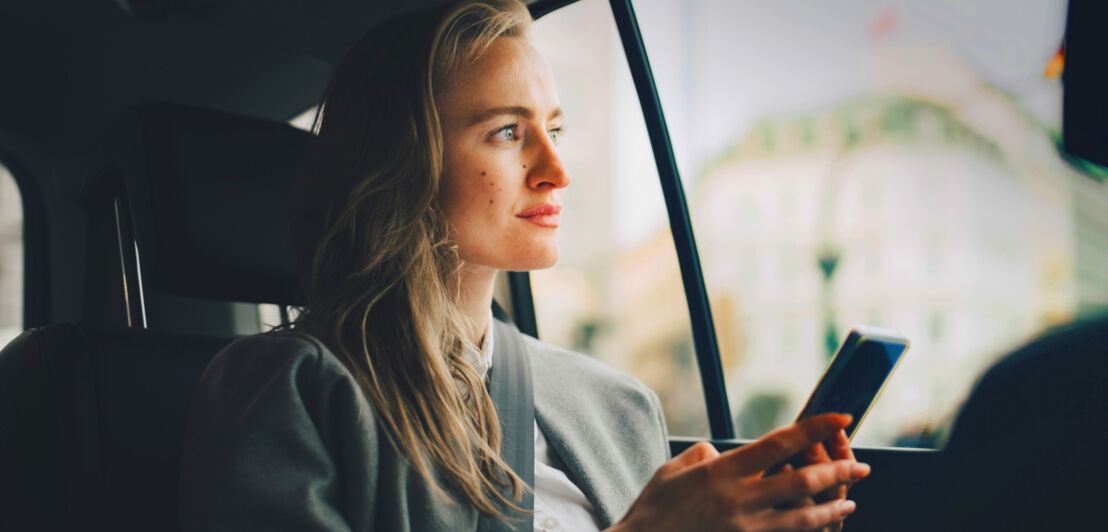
(434, 167)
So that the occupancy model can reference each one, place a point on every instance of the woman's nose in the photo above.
(547, 171)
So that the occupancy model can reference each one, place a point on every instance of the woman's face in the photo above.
(502, 178)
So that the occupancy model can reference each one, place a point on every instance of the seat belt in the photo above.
(512, 394)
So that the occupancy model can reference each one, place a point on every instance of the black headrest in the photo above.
(209, 199)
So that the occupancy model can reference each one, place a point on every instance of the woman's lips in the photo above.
(543, 215)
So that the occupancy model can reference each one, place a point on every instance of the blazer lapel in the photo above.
(577, 446)
(573, 454)
(605, 428)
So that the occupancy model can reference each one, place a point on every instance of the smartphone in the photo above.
(856, 374)
(853, 379)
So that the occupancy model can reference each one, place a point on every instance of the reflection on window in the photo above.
(616, 293)
(11, 258)
(916, 144)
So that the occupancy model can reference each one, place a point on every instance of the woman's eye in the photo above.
(556, 134)
(506, 133)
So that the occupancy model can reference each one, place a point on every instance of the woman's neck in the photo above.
(475, 299)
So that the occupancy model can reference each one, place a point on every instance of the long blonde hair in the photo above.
(379, 271)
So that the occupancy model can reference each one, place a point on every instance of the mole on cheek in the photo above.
(483, 173)
(490, 202)
(525, 166)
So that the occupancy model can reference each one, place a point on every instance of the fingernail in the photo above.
(846, 506)
(859, 470)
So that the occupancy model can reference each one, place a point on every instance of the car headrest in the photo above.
(208, 195)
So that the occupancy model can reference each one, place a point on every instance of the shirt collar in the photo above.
(481, 359)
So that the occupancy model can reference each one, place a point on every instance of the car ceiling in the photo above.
(70, 67)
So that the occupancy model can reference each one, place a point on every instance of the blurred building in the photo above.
(946, 214)
(938, 206)
(654, 331)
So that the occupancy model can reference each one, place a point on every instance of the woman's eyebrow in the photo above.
(517, 110)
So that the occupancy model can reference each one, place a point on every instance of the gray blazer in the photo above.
(281, 437)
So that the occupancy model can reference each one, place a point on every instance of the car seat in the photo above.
(92, 414)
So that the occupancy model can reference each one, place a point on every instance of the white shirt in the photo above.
(559, 504)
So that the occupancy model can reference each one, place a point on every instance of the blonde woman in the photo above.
(396, 401)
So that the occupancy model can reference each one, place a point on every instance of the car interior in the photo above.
(151, 145)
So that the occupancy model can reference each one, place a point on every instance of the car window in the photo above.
(881, 162)
(616, 293)
(11, 258)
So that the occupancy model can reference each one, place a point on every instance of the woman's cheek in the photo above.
(490, 188)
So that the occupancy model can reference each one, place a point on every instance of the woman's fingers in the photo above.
(699, 452)
(810, 501)
(839, 447)
(780, 444)
(836, 448)
(803, 501)
(701, 489)
(810, 517)
(790, 486)
(816, 454)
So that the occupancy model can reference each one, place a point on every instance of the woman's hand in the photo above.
(703, 490)
(838, 448)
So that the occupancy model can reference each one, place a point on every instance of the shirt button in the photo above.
(549, 523)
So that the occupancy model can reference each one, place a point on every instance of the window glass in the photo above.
(883, 162)
(11, 258)
(616, 292)
(269, 316)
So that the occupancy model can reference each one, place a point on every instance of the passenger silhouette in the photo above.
(1027, 450)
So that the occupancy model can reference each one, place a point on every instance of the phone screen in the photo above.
(856, 375)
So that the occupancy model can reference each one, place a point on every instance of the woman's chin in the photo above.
(530, 267)
(537, 261)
